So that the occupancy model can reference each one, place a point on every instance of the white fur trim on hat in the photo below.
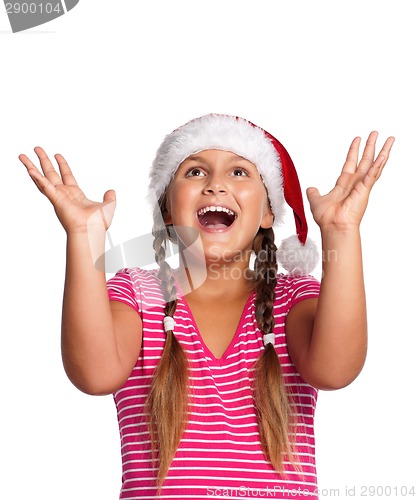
(296, 258)
(226, 133)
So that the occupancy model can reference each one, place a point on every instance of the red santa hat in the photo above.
(296, 254)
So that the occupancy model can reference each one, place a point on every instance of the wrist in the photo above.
(335, 230)
(340, 245)
(91, 243)
(95, 232)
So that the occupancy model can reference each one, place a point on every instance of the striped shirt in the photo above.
(220, 453)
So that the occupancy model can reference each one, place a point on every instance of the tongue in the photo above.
(214, 220)
(216, 226)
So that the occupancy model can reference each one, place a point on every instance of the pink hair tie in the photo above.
(169, 323)
(269, 338)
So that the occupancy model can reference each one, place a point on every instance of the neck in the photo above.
(215, 279)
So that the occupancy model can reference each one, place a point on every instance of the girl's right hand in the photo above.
(75, 212)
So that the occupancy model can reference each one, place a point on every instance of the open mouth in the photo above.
(216, 217)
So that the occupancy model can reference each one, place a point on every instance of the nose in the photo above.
(214, 185)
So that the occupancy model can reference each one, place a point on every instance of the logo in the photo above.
(25, 14)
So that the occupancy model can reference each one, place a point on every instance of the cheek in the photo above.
(257, 199)
(179, 202)
(173, 195)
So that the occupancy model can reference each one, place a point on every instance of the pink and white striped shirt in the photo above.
(220, 454)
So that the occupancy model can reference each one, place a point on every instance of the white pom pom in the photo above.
(296, 258)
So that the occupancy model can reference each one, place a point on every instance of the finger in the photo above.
(32, 170)
(43, 184)
(66, 173)
(352, 157)
(385, 152)
(382, 159)
(368, 153)
(374, 173)
(26, 162)
(47, 168)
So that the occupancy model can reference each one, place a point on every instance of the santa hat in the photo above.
(296, 254)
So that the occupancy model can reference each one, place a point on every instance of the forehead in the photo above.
(215, 154)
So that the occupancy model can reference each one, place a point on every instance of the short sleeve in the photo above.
(120, 287)
(300, 288)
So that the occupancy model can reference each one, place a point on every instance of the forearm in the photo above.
(339, 338)
(89, 346)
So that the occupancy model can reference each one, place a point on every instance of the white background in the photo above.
(103, 85)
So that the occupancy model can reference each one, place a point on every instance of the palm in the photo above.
(74, 210)
(346, 203)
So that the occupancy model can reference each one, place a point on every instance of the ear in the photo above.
(167, 217)
(268, 217)
(166, 214)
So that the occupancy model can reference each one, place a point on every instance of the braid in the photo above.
(167, 401)
(164, 273)
(270, 394)
(266, 278)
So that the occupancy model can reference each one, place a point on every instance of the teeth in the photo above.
(215, 209)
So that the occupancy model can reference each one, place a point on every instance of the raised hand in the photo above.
(75, 212)
(345, 204)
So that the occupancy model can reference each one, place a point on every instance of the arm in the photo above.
(327, 337)
(100, 339)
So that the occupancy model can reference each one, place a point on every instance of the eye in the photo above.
(194, 172)
(240, 172)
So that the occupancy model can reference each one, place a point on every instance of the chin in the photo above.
(224, 254)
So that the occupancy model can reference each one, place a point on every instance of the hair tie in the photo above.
(269, 338)
(169, 323)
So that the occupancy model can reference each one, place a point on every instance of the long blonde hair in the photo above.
(168, 403)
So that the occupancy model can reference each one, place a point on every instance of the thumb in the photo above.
(108, 207)
(109, 196)
(312, 194)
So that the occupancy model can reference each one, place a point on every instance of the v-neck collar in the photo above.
(231, 347)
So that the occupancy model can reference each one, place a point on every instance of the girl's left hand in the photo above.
(345, 204)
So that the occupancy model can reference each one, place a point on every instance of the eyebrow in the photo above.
(231, 156)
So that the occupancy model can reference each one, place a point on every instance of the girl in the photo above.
(215, 366)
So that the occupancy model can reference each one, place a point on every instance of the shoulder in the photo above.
(284, 279)
(135, 275)
(140, 287)
(293, 289)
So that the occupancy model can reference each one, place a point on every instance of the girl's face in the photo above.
(222, 196)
